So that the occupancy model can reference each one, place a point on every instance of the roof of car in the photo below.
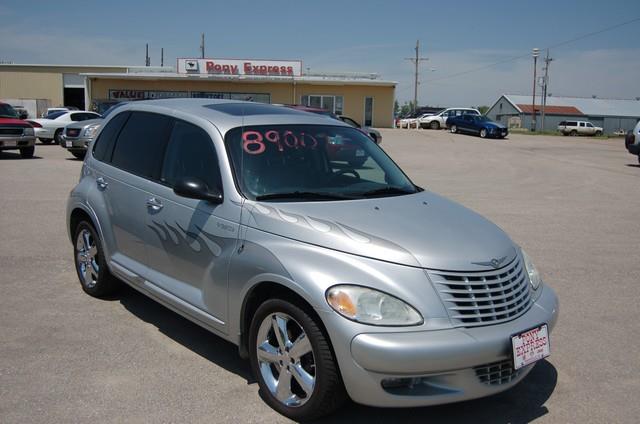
(228, 114)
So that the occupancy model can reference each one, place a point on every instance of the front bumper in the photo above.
(446, 364)
(79, 144)
(14, 142)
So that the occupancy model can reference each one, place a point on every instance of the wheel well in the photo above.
(262, 292)
(76, 216)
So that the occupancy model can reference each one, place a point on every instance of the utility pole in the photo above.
(161, 56)
(547, 61)
(535, 53)
(147, 59)
(202, 45)
(416, 61)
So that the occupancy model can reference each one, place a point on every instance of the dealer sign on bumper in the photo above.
(530, 346)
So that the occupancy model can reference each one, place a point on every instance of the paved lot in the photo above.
(574, 204)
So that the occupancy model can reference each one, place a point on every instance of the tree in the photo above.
(406, 108)
(396, 108)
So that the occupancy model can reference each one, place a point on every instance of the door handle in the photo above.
(102, 184)
(154, 204)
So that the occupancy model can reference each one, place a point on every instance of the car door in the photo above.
(465, 123)
(122, 178)
(190, 241)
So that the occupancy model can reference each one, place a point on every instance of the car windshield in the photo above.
(311, 163)
(6, 111)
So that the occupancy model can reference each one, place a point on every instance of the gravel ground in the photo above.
(573, 203)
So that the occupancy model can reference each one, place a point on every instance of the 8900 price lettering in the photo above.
(254, 142)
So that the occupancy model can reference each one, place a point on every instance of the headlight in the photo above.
(369, 306)
(28, 131)
(534, 275)
(91, 130)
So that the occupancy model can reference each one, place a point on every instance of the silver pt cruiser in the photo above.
(333, 280)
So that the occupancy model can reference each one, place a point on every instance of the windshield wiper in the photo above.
(385, 190)
(305, 195)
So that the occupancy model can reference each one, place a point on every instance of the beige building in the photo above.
(363, 97)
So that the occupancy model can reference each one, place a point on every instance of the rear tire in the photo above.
(91, 266)
(453, 129)
(573, 133)
(27, 152)
(434, 125)
(57, 137)
(323, 390)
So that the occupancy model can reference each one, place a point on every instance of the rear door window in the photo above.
(140, 146)
(103, 146)
(190, 153)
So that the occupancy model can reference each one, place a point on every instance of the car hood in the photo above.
(422, 230)
(82, 124)
(496, 125)
(14, 122)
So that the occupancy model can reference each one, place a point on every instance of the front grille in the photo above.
(73, 132)
(482, 298)
(11, 131)
(497, 373)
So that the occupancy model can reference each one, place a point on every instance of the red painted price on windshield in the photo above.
(255, 142)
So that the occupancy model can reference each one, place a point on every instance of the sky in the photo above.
(458, 37)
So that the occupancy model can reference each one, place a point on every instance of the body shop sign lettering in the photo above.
(255, 142)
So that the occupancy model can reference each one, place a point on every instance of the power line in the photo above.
(511, 59)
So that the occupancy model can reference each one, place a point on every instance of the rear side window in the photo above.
(103, 146)
(141, 144)
(190, 153)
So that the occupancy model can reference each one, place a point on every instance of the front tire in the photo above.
(27, 152)
(435, 125)
(293, 362)
(91, 266)
(598, 133)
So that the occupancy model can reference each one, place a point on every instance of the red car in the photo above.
(16, 134)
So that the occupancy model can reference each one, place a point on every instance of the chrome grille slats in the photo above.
(486, 297)
(497, 373)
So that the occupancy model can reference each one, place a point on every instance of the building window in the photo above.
(368, 111)
(334, 104)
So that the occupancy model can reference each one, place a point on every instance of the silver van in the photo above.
(335, 281)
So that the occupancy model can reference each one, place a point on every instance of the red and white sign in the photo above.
(287, 68)
(530, 346)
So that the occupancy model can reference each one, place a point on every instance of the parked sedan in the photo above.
(50, 129)
(332, 281)
(479, 125)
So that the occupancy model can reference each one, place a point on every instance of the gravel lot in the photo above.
(573, 203)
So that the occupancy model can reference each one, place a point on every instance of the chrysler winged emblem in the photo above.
(493, 262)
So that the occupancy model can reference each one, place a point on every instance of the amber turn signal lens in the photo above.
(341, 302)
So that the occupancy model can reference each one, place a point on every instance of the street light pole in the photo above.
(547, 61)
(536, 53)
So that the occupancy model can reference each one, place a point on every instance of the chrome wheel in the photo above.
(454, 129)
(285, 359)
(87, 258)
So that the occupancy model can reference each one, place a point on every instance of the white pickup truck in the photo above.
(578, 128)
